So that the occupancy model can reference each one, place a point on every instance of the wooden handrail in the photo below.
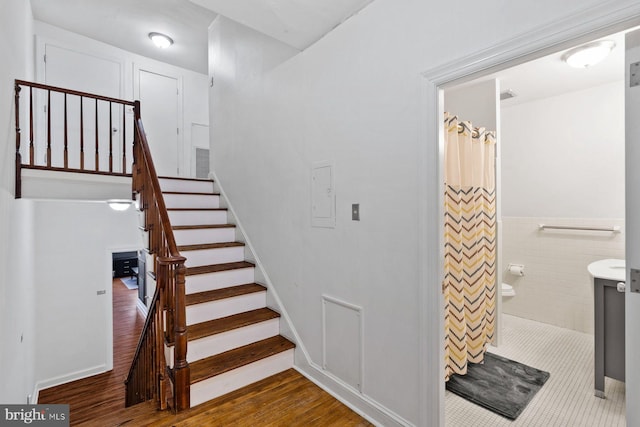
(170, 288)
(54, 138)
(74, 92)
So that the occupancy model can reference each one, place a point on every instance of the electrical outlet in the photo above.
(355, 212)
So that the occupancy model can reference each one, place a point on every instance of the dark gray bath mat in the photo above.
(501, 385)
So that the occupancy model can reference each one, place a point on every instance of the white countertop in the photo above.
(610, 269)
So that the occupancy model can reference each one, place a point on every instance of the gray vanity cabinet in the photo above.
(609, 333)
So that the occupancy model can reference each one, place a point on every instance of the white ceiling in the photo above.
(298, 23)
(550, 75)
(127, 23)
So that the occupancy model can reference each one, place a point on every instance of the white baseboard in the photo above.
(142, 309)
(359, 403)
(63, 379)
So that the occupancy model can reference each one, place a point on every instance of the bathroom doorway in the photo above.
(543, 182)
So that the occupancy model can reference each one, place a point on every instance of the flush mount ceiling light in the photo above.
(589, 54)
(119, 205)
(161, 40)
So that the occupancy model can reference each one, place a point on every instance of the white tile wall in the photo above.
(556, 287)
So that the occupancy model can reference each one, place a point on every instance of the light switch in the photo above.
(355, 212)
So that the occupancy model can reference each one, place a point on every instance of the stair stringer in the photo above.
(357, 401)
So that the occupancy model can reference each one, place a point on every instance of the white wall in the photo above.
(73, 261)
(477, 102)
(563, 164)
(564, 156)
(193, 90)
(352, 98)
(17, 338)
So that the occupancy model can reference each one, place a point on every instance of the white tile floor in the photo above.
(566, 399)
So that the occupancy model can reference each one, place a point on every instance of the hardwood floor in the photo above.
(285, 399)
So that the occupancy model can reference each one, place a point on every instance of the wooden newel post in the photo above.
(18, 156)
(181, 372)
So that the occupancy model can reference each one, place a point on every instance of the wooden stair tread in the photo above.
(224, 324)
(238, 357)
(218, 294)
(196, 227)
(196, 209)
(209, 246)
(191, 194)
(214, 268)
(182, 178)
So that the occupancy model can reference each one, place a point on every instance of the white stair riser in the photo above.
(197, 217)
(191, 201)
(219, 343)
(219, 280)
(202, 236)
(214, 256)
(211, 388)
(186, 186)
(203, 312)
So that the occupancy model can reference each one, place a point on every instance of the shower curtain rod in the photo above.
(612, 229)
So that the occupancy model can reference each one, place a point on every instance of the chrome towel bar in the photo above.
(613, 229)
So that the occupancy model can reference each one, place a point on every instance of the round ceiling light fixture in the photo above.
(162, 41)
(119, 204)
(589, 54)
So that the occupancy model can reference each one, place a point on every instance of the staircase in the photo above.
(233, 338)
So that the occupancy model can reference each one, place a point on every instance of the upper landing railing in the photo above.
(71, 131)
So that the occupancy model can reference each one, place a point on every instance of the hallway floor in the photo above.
(285, 399)
(566, 399)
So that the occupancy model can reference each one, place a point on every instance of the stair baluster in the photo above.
(168, 303)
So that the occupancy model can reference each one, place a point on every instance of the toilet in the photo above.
(508, 291)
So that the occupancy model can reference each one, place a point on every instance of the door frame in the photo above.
(599, 21)
(109, 302)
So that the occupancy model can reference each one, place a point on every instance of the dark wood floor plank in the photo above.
(283, 400)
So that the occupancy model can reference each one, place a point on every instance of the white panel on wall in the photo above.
(342, 353)
(323, 209)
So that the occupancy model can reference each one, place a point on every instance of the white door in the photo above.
(159, 102)
(632, 190)
(70, 69)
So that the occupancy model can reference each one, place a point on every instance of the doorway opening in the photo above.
(441, 84)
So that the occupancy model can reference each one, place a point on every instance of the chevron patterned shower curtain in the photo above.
(470, 243)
